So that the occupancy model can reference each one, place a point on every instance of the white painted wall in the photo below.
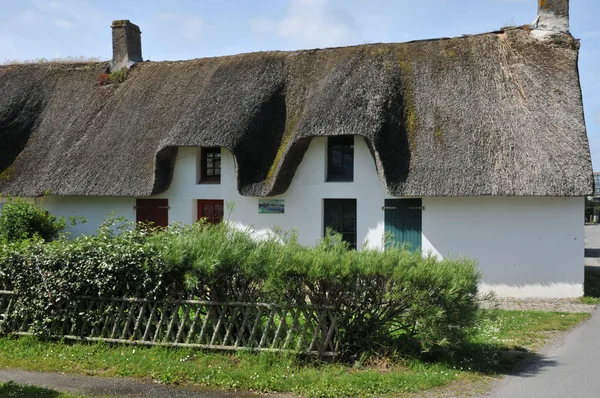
(303, 200)
(524, 246)
(94, 209)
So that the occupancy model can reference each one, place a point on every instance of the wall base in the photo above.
(552, 290)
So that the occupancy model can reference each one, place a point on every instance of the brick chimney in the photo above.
(127, 45)
(553, 17)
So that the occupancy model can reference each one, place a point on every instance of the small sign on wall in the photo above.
(271, 206)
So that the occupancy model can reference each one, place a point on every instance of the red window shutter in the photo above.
(155, 211)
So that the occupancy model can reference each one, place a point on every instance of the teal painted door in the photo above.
(402, 219)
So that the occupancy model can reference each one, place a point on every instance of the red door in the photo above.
(155, 211)
(211, 209)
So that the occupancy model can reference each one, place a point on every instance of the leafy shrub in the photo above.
(50, 276)
(393, 298)
(218, 262)
(384, 300)
(22, 220)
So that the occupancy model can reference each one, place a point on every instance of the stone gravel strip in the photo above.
(537, 304)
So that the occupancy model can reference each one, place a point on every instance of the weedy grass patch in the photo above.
(588, 300)
(500, 342)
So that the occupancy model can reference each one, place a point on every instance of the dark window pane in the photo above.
(340, 216)
(335, 210)
(349, 210)
(340, 158)
(336, 224)
(349, 225)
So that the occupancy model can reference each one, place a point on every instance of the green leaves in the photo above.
(385, 300)
(22, 220)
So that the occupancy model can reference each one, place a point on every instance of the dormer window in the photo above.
(340, 158)
(210, 165)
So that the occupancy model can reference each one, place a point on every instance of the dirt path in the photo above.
(94, 386)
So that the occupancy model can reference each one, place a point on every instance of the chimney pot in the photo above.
(127, 45)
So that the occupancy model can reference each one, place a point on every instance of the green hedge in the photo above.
(384, 298)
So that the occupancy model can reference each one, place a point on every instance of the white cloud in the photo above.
(310, 23)
(186, 26)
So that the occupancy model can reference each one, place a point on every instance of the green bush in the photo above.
(391, 298)
(50, 276)
(22, 220)
(385, 300)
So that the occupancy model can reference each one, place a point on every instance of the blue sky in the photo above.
(179, 29)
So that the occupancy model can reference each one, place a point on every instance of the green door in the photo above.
(403, 222)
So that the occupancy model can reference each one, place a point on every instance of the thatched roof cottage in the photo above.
(473, 145)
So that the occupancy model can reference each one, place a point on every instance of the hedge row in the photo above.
(384, 299)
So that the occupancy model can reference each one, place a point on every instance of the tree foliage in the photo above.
(20, 220)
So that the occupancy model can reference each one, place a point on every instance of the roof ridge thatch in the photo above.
(264, 52)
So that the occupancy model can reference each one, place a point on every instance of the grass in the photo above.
(503, 339)
(14, 390)
(588, 300)
(524, 330)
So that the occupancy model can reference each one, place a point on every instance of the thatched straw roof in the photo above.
(492, 114)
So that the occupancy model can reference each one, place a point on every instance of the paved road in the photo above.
(567, 368)
(592, 246)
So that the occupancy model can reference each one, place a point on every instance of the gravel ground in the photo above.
(537, 304)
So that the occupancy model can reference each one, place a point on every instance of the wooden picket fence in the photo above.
(192, 323)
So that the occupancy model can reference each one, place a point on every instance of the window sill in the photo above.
(208, 182)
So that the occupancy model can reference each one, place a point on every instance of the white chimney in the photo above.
(553, 18)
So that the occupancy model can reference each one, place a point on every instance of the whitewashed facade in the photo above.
(525, 246)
